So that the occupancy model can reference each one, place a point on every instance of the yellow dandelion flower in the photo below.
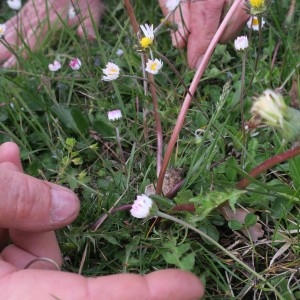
(257, 4)
(257, 7)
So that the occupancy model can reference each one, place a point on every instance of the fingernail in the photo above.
(64, 204)
(199, 61)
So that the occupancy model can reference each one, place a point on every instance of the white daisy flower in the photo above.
(111, 72)
(153, 66)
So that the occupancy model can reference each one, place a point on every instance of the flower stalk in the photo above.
(189, 95)
(136, 28)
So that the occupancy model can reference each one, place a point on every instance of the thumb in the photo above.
(30, 204)
(10, 152)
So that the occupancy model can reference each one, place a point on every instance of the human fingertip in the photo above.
(12, 145)
(64, 205)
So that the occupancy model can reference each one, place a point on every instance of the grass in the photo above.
(60, 122)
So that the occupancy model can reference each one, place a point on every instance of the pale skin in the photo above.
(26, 214)
(197, 23)
(29, 216)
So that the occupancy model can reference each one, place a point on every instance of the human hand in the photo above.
(30, 209)
(31, 23)
(197, 22)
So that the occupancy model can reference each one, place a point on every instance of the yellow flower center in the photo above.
(255, 22)
(256, 3)
(1, 30)
(113, 71)
(153, 67)
(145, 42)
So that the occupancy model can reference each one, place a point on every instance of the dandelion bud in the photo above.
(271, 107)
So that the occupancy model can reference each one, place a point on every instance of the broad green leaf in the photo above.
(206, 203)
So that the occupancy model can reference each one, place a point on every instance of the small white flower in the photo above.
(119, 52)
(172, 4)
(153, 66)
(148, 31)
(241, 43)
(55, 66)
(114, 115)
(253, 23)
(72, 12)
(75, 64)
(141, 207)
(14, 4)
(2, 30)
(111, 72)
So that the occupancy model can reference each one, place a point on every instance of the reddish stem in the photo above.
(267, 164)
(158, 128)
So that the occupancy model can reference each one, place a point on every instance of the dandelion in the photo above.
(271, 107)
(257, 7)
(112, 72)
(153, 66)
(55, 66)
(241, 43)
(75, 64)
(72, 13)
(172, 4)
(114, 115)
(141, 207)
(2, 30)
(257, 4)
(14, 4)
(253, 23)
(148, 38)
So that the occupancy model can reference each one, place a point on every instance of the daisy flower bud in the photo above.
(111, 72)
(55, 66)
(114, 115)
(241, 43)
(14, 4)
(72, 13)
(172, 4)
(75, 64)
(141, 207)
(153, 66)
